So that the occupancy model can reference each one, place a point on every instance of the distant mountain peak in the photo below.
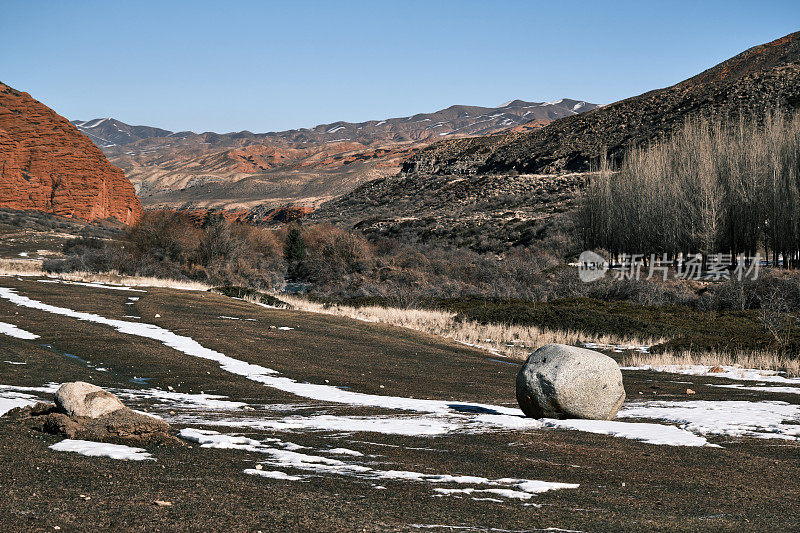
(454, 121)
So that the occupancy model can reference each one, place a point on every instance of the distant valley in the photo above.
(304, 167)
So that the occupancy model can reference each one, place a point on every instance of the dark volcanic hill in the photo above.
(106, 132)
(498, 191)
(47, 165)
(760, 78)
(304, 166)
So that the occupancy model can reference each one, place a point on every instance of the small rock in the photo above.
(690, 391)
(560, 381)
(84, 399)
(162, 503)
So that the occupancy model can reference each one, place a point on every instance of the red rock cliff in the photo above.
(46, 164)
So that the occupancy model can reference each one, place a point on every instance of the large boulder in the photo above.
(560, 381)
(84, 399)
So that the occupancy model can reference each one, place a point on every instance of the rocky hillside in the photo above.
(46, 164)
(499, 191)
(757, 79)
(304, 166)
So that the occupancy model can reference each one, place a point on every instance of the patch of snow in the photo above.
(182, 399)
(325, 465)
(93, 123)
(387, 425)
(13, 331)
(10, 400)
(102, 449)
(645, 432)
(47, 389)
(334, 130)
(767, 419)
(643, 348)
(272, 474)
(15, 362)
(759, 388)
(345, 451)
(506, 493)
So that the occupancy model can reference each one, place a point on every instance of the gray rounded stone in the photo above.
(79, 398)
(560, 381)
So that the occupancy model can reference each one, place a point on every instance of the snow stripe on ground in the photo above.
(13, 331)
(460, 413)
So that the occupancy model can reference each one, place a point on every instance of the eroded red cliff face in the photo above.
(46, 164)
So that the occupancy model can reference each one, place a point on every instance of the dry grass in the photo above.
(760, 360)
(512, 341)
(20, 267)
(114, 278)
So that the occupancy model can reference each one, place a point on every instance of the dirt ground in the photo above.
(624, 485)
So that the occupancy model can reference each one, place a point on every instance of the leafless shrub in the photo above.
(712, 187)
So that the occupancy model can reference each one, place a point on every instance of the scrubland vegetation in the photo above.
(712, 187)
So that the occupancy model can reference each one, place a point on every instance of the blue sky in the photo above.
(268, 66)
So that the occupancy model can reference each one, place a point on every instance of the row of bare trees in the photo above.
(713, 187)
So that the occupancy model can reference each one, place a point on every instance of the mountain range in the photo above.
(304, 166)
